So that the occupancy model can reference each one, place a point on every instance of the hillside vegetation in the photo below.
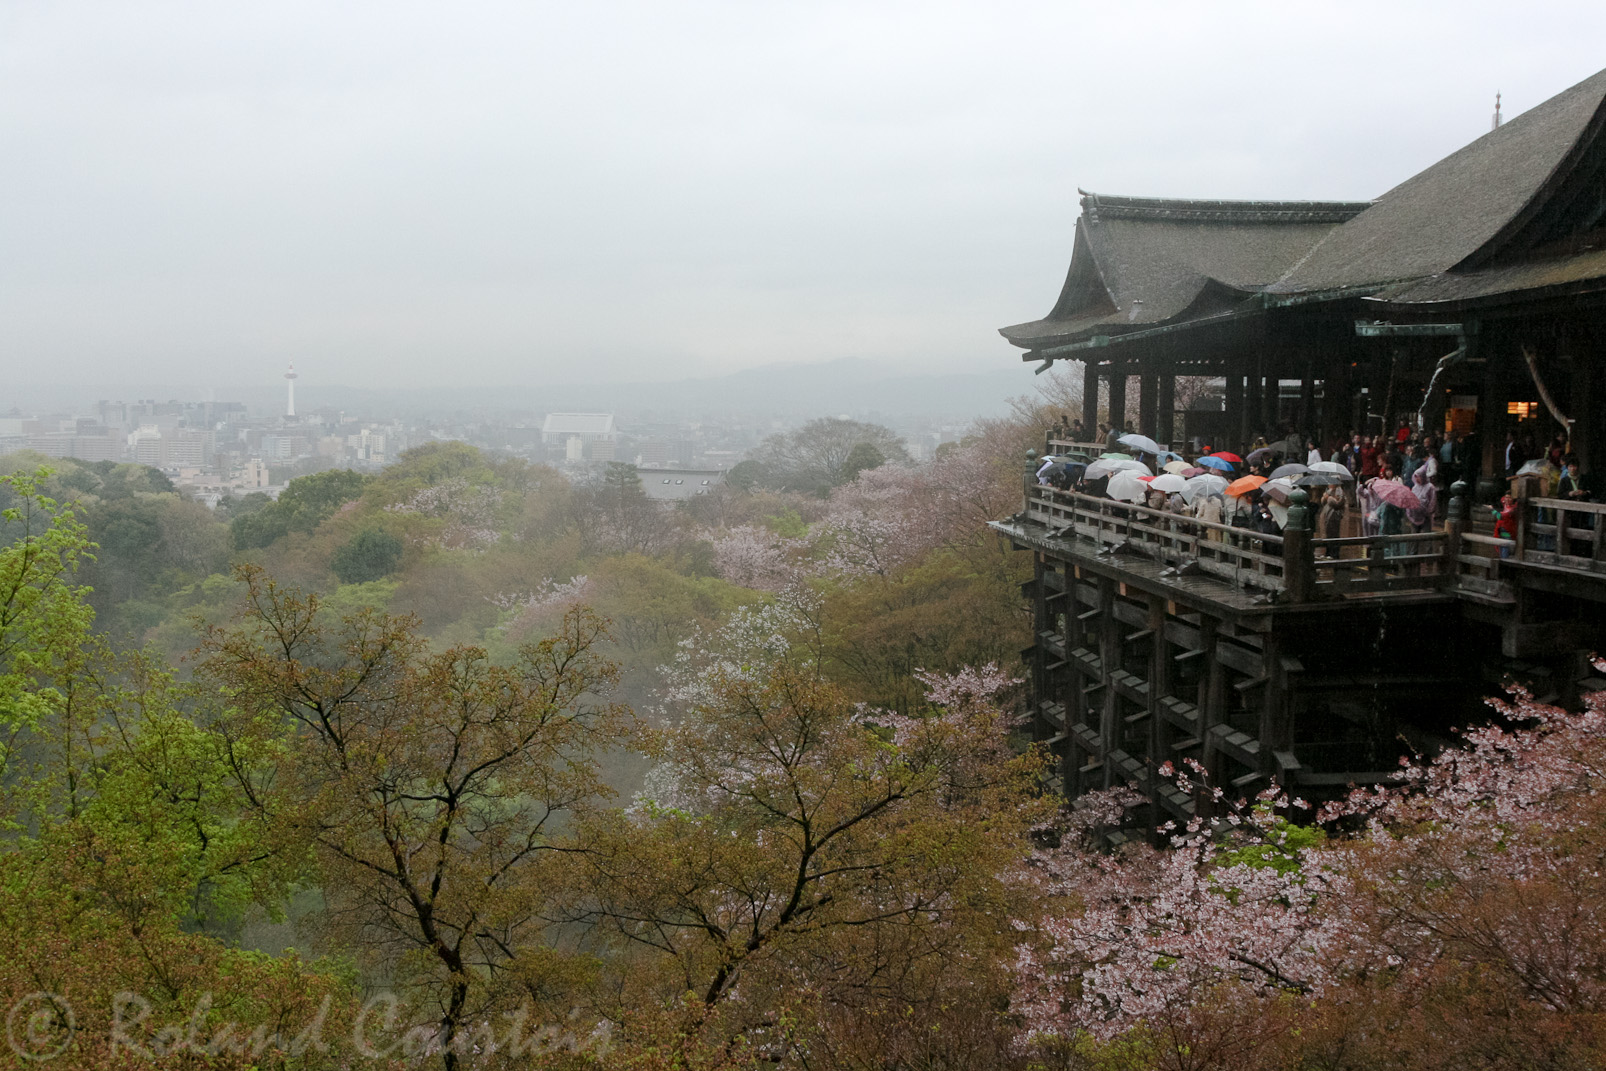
(466, 765)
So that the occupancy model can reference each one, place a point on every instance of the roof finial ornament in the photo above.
(1495, 124)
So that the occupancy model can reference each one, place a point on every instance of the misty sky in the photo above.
(406, 193)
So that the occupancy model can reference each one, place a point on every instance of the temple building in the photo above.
(1470, 300)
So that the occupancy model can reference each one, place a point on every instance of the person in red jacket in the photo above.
(1371, 452)
(1505, 522)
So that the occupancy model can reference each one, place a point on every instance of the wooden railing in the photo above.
(1066, 446)
(1356, 564)
(1299, 568)
(1237, 556)
(1293, 564)
(1564, 533)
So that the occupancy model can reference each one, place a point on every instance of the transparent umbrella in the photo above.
(1141, 443)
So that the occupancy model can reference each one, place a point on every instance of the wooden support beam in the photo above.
(1148, 401)
(1165, 425)
(1254, 414)
(1110, 659)
(1090, 397)
(1117, 388)
(1212, 707)
(1234, 410)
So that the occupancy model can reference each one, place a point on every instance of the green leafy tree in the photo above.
(44, 618)
(815, 457)
(435, 789)
(306, 502)
(372, 554)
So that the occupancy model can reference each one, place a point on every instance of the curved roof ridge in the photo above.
(1458, 206)
(1218, 210)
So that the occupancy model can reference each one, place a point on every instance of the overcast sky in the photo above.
(407, 193)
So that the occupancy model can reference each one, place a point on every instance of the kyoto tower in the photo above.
(290, 386)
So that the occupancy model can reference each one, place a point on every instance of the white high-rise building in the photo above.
(290, 386)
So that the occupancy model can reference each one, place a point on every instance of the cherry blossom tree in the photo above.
(1477, 880)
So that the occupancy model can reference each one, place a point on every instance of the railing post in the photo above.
(1522, 519)
(1455, 522)
(1299, 554)
(1029, 482)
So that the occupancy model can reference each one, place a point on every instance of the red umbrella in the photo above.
(1227, 455)
(1145, 479)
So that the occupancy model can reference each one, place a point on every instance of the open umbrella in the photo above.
(1293, 468)
(1278, 489)
(1108, 466)
(1195, 471)
(1321, 479)
(1333, 468)
(1206, 484)
(1214, 462)
(1264, 451)
(1167, 455)
(1243, 485)
(1228, 455)
(1140, 443)
(1116, 455)
(1396, 494)
(1169, 482)
(1179, 467)
(1542, 467)
(1127, 487)
(1279, 513)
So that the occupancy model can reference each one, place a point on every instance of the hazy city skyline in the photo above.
(526, 194)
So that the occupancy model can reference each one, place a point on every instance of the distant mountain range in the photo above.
(850, 386)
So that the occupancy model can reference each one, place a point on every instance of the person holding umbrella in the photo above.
(1428, 495)
(1330, 518)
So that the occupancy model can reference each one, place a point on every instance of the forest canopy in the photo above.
(464, 764)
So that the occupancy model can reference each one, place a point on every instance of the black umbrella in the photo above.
(1319, 479)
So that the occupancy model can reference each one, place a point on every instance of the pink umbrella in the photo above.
(1396, 494)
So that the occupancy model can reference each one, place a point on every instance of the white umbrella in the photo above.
(1126, 487)
(1279, 513)
(1205, 484)
(1106, 466)
(1141, 443)
(1278, 489)
(1169, 482)
(1176, 466)
(1334, 467)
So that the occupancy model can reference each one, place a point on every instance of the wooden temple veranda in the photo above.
(1471, 297)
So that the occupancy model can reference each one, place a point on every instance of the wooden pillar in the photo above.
(1307, 404)
(1159, 683)
(1587, 441)
(1165, 427)
(1090, 397)
(1269, 399)
(1148, 396)
(1253, 411)
(1335, 402)
(1109, 660)
(1212, 707)
(1232, 438)
(1117, 381)
(1274, 728)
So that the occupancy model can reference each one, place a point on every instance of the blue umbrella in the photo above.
(1216, 463)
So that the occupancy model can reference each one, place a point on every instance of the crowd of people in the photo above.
(1362, 485)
